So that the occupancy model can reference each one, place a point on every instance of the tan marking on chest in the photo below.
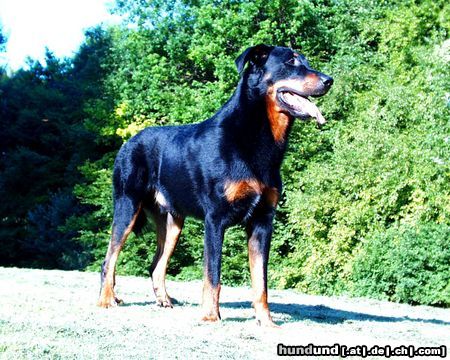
(278, 120)
(240, 189)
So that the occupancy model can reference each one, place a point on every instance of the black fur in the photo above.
(190, 166)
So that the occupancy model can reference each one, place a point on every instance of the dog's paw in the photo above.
(165, 302)
(211, 317)
(109, 302)
(267, 322)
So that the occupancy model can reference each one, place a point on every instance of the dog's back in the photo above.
(172, 165)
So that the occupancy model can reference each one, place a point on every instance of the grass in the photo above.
(52, 315)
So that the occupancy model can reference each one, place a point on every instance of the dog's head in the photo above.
(285, 80)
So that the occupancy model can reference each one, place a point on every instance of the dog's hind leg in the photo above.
(168, 230)
(125, 214)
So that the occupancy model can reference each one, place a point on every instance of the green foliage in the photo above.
(407, 264)
(379, 170)
(388, 164)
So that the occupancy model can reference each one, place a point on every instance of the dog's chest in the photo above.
(244, 196)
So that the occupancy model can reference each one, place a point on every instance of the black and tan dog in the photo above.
(225, 170)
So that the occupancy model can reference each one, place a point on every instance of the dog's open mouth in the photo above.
(299, 106)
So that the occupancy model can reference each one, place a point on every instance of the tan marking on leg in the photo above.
(210, 302)
(259, 283)
(237, 190)
(174, 226)
(161, 228)
(107, 296)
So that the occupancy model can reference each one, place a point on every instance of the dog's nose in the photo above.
(327, 80)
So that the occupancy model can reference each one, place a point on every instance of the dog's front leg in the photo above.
(214, 232)
(259, 232)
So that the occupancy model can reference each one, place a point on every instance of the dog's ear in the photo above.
(256, 55)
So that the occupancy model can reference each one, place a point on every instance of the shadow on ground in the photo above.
(175, 302)
(328, 315)
(298, 312)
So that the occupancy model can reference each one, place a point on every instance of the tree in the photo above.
(3, 40)
(43, 141)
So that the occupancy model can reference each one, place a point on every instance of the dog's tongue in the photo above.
(305, 106)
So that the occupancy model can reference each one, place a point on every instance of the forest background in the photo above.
(366, 203)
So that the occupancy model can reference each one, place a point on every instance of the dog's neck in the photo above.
(248, 125)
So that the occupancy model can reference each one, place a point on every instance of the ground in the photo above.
(52, 314)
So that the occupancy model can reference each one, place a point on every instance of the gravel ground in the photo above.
(52, 314)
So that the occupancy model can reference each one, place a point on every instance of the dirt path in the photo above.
(52, 314)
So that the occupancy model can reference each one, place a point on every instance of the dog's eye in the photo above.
(293, 61)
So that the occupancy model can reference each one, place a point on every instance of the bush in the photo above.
(406, 264)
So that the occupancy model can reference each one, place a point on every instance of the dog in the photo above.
(225, 170)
